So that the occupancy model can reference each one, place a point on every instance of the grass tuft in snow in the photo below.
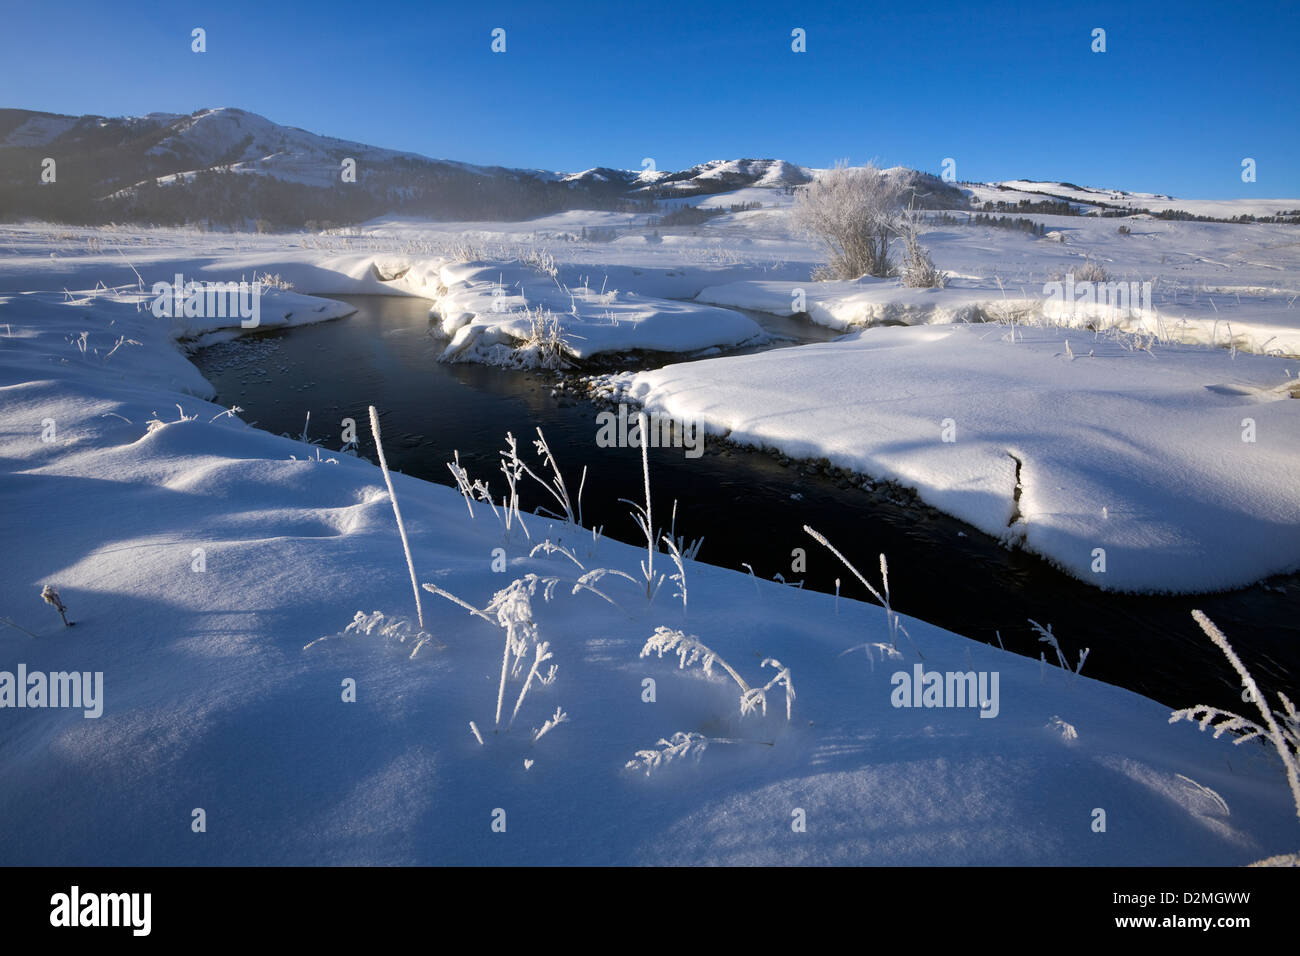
(511, 609)
(690, 649)
(1046, 636)
(155, 423)
(891, 616)
(544, 345)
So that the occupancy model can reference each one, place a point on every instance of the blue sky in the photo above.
(1182, 94)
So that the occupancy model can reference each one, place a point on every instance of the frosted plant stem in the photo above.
(581, 484)
(645, 470)
(540, 656)
(501, 690)
(820, 539)
(734, 676)
(1274, 732)
(890, 617)
(401, 528)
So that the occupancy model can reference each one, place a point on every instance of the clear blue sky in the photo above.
(1184, 91)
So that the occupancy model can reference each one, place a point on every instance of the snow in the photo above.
(39, 130)
(1014, 190)
(846, 304)
(229, 583)
(1214, 522)
(265, 148)
(1139, 453)
(487, 304)
(219, 693)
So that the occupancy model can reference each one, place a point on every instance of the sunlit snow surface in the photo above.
(211, 700)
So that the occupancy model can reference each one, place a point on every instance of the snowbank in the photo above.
(491, 304)
(1267, 322)
(1178, 463)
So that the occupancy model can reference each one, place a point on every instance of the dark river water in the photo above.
(743, 504)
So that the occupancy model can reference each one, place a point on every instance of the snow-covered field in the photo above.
(204, 560)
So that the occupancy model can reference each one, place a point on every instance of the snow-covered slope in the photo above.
(250, 143)
(1093, 200)
(215, 574)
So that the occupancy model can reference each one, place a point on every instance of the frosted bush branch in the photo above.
(470, 490)
(887, 652)
(544, 345)
(918, 271)
(689, 551)
(434, 589)
(155, 423)
(232, 411)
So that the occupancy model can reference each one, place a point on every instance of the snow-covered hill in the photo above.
(1087, 200)
(112, 168)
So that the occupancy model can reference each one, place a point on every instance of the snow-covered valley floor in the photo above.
(213, 570)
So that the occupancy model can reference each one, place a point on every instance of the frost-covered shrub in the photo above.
(918, 270)
(1092, 272)
(852, 212)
